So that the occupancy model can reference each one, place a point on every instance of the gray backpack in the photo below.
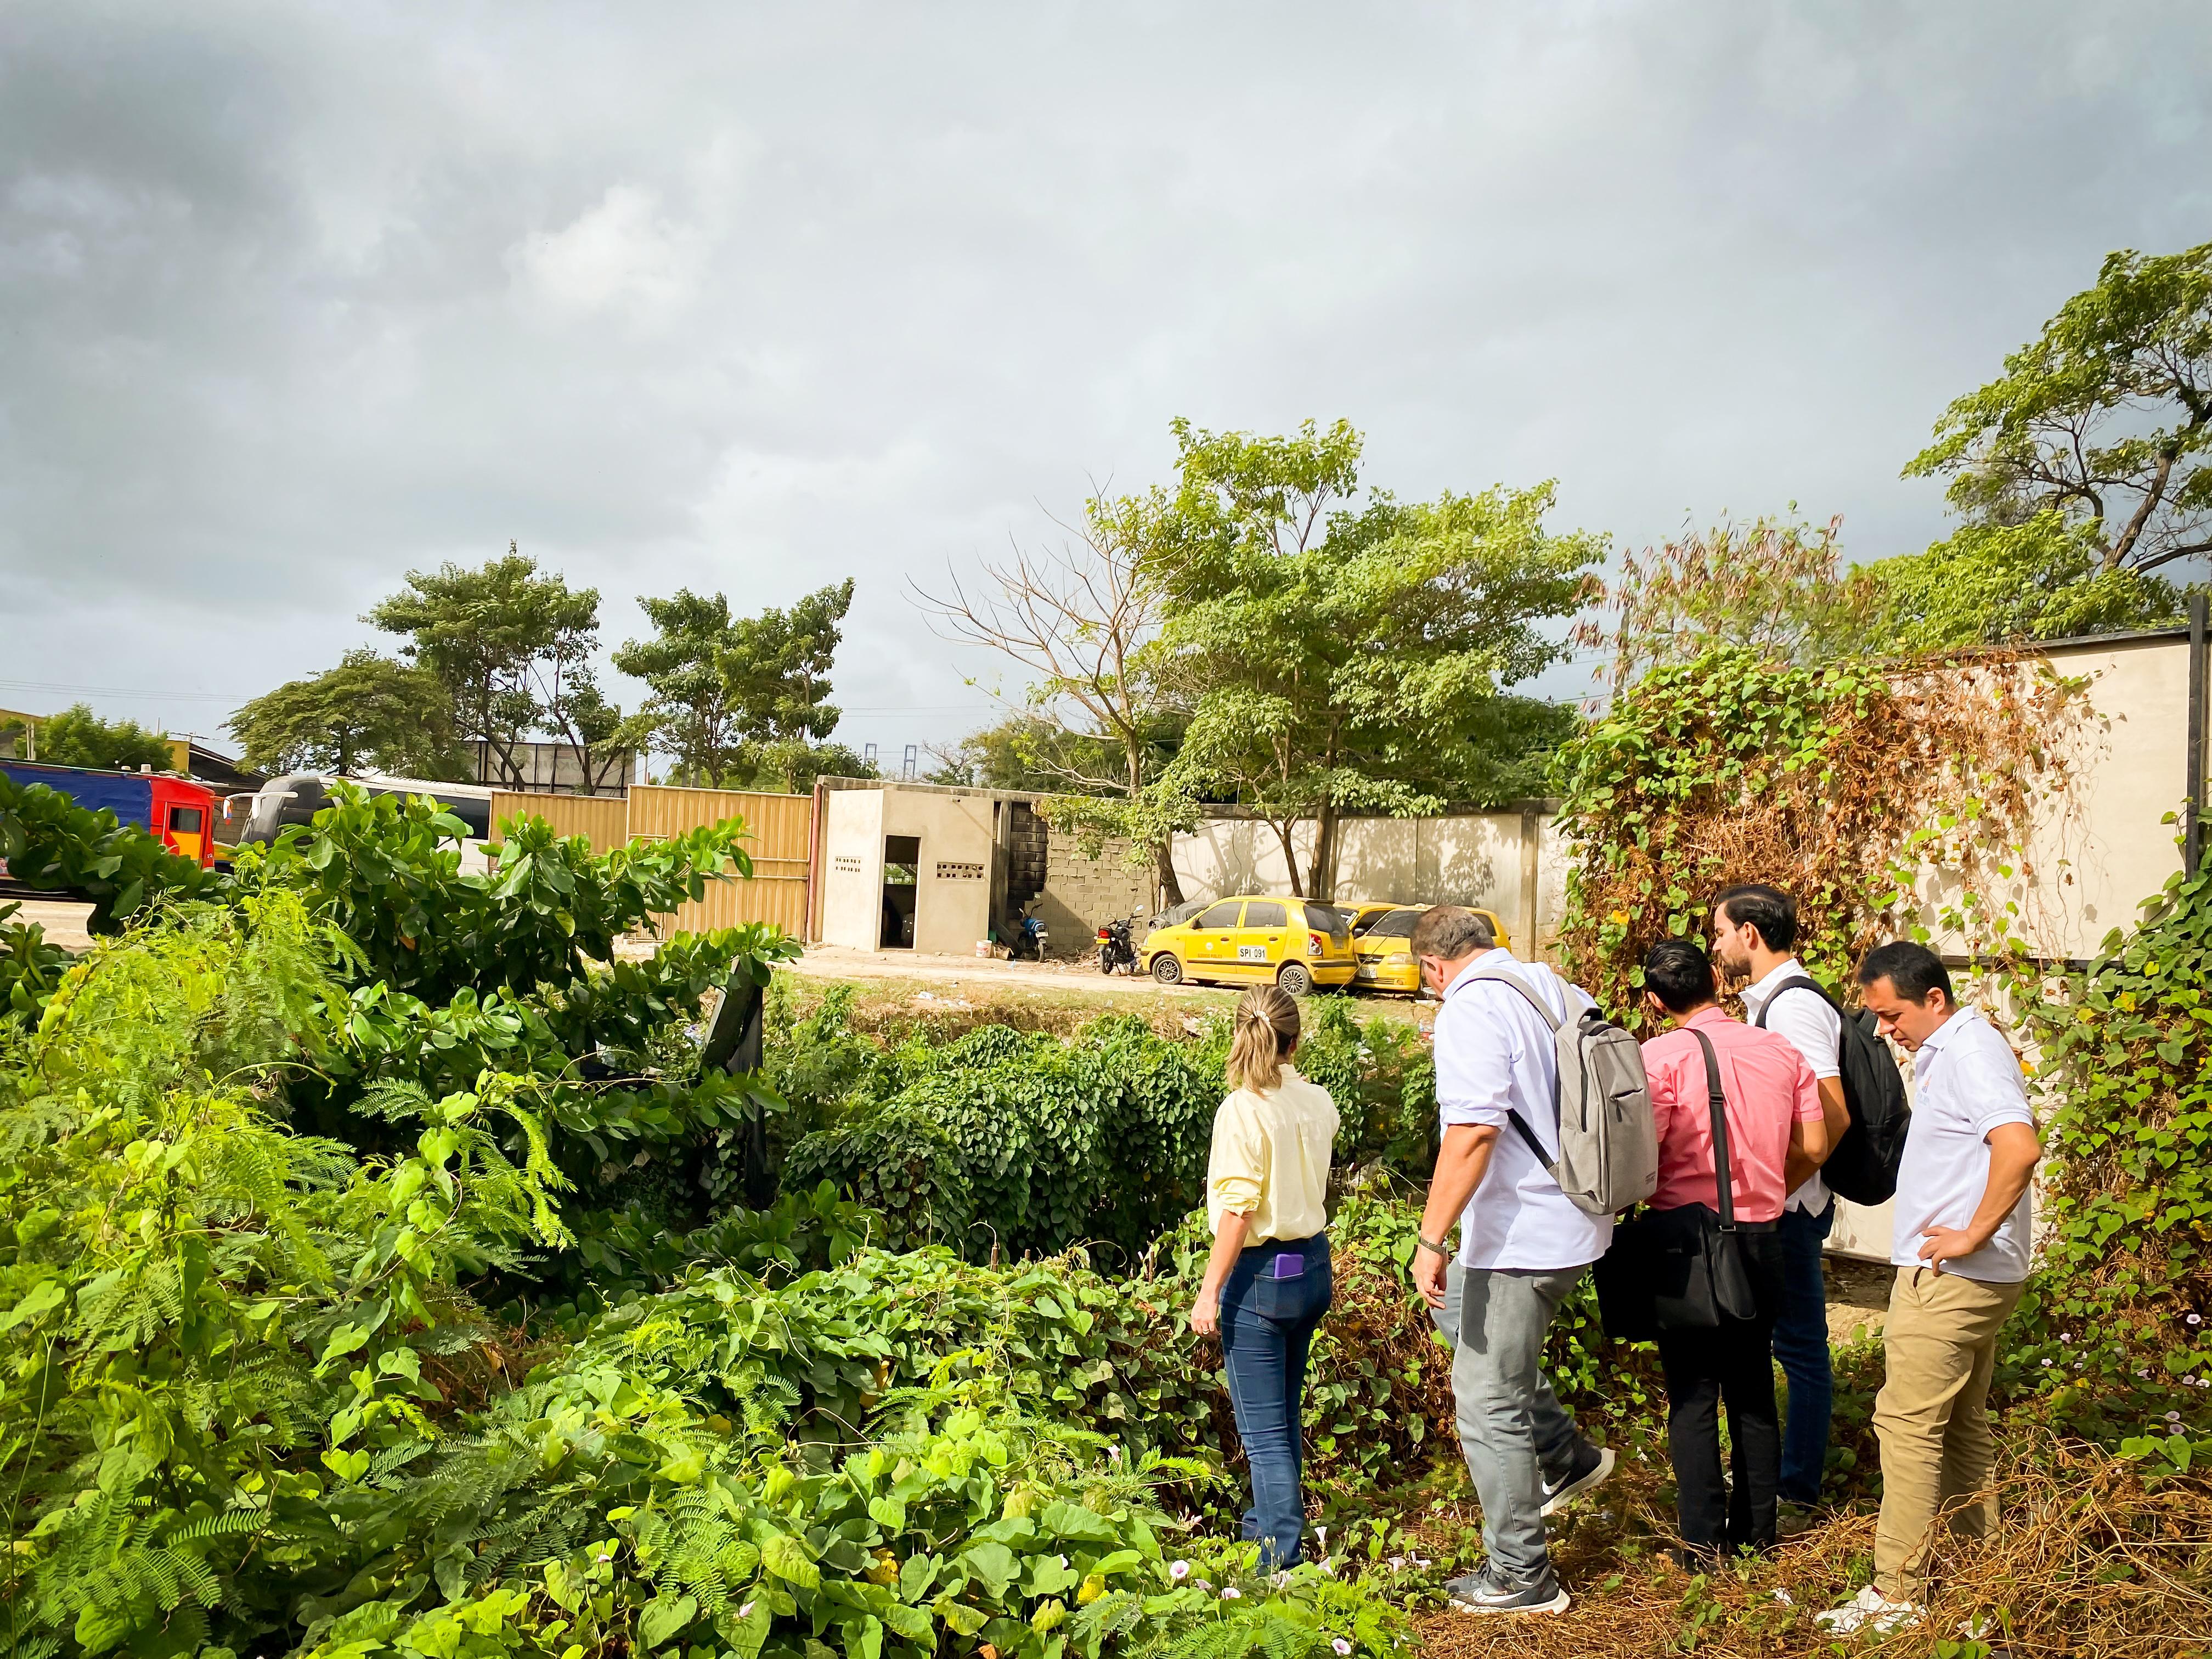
(1608, 1144)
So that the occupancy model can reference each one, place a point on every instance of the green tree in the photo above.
(77, 737)
(2105, 419)
(775, 667)
(790, 765)
(1023, 751)
(514, 650)
(1990, 583)
(396, 718)
(1339, 660)
(1773, 587)
(689, 713)
(742, 700)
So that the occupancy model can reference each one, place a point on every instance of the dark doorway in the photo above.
(901, 874)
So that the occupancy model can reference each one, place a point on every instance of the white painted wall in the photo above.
(2100, 850)
(852, 868)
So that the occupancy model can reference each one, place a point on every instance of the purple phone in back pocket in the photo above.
(1288, 1266)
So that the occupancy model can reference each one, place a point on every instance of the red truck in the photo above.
(181, 812)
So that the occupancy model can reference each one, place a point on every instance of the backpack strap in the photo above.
(1544, 1159)
(1717, 1103)
(1810, 984)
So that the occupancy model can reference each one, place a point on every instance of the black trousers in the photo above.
(1736, 1364)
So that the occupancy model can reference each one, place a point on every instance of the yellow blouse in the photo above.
(1270, 1159)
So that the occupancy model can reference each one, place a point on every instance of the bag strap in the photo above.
(1544, 1159)
(1810, 984)
(1717, 1103)
(1500, 977)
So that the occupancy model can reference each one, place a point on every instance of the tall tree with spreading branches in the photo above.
(2105, 419)
(1341, 661)
(367, 710)
(513, 650)
(1077, 619)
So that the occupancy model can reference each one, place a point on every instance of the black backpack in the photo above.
(1863, 1168)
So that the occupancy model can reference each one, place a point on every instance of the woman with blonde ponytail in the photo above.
(1267, 1282)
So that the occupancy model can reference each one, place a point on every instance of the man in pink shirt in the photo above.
(1776, 1136)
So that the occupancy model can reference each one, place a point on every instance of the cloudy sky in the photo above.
(296, 297)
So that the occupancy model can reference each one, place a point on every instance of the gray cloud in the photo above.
(294, 299)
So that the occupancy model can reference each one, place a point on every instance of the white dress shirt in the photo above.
(1814, 1031)
(1969, 1084)
(1495, 1055)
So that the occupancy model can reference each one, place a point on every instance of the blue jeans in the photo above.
(1266, 1325)
(1800, 1343)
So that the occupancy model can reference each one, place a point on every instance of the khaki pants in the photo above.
(1932, 1417)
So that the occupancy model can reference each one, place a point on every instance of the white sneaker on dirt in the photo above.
(1870, 1611)
(1488, 1590)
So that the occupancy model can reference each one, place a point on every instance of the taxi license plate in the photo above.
(1365, 970)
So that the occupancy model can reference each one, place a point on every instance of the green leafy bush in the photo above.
(388, 873)
(1020, 1143)
(252, 1406)
(30, 967)
(2116, 1332)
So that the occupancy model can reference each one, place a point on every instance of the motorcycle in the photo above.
(1114, 948)
(1029, 941)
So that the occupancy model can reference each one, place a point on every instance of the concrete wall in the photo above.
(959, 839)
(2099, 851)
(1081, 892)
(1508, 862)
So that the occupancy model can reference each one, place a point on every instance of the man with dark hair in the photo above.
(1523, 1244)
(1755, 933)
(1771, 1113)
(1960, 1246)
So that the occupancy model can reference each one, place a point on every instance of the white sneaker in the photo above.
(1870, 1611)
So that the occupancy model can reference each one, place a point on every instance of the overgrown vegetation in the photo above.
(1840, 783)
(2126, 1049)
(486, 1365)
(1004, 1143)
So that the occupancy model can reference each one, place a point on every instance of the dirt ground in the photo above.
(64, 921)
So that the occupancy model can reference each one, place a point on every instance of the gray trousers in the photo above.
(1513, 1431)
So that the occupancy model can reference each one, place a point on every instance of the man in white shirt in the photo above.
(1754, 932)
(1523, 1245)
(1961, 1253)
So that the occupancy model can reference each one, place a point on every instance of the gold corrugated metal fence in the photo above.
(776, 828)
(602, 820)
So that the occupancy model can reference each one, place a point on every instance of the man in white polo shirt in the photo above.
(1961, 1252)
(1523, 1244)
(1754, 933)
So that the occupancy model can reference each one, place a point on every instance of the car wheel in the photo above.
(1167, 969)
(1295, 979)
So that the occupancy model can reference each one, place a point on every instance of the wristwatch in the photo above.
(1431, 1244)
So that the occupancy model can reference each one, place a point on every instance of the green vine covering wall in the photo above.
(2117, 1333)
(1836, 783)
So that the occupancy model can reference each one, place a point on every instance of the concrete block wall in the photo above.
(1080, 892)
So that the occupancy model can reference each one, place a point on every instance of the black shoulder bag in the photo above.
(1684, 1269)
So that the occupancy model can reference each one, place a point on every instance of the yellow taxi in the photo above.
(1252, 938)
(1381, 939)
